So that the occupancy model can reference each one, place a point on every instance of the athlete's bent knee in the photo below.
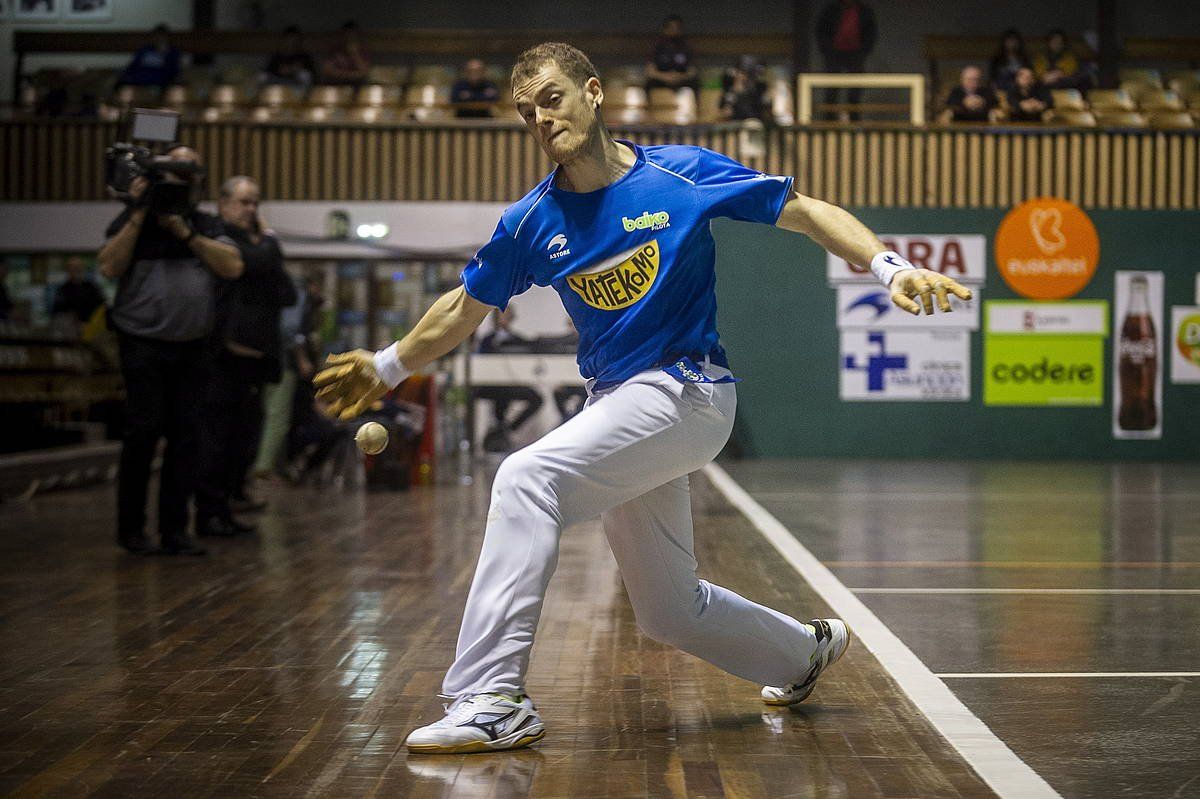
(524, 481)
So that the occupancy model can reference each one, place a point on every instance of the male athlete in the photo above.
(622, 233)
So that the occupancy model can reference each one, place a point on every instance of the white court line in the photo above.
(1083, 591)
(1062, 674)
(996, 764)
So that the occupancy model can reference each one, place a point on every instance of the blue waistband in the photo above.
(717, 357)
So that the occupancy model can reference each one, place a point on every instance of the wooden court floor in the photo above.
(1059, 602)
(295, 662)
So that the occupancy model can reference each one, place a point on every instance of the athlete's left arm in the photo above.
(839, 232)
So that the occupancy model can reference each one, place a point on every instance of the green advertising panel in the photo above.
(1044, 353)
(1043, 370)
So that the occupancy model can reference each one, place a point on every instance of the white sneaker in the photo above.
(480, 723)
(833, 637)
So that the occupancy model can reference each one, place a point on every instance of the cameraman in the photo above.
(244, 354)
(167, 265)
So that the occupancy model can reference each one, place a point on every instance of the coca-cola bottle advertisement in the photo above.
(1137, 355)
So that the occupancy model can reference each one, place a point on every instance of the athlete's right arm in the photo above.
(351, 381)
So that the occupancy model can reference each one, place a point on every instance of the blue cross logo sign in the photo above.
(877, 364)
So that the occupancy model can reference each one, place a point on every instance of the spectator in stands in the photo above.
(473, 94)
(167, 267)
(347, 64)
(1010, 56)
(156, 63)
(5, 302)
(670, 65)
(1058, 67)
(292, 65)
(79, 296)
(971, 100)
(1028, 99)
(845, 35)
(744, 94)
(243, 355)
(503, 339)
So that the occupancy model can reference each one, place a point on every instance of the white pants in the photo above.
(626, 456)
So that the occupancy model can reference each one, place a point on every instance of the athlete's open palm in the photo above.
(910, 285)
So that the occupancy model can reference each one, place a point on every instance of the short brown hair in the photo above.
(571, 60)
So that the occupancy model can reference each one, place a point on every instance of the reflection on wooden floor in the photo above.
(1120, 720)
(294, 663)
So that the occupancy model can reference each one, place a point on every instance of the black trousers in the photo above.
(503, 396)
(231, 417)
(162, 393)
(844, 63)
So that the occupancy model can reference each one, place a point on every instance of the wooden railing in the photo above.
(884, 167)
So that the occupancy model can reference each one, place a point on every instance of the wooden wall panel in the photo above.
(879, 167)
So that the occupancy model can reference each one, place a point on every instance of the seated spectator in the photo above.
(971, 100)
(156, 63)
(1058, 67)
(503, 339)
(79, 296)
(1028, 99)
(1009, 57)
(347, 64)
(745, 93)
(292, 65)
(473, 93)
(670, 65)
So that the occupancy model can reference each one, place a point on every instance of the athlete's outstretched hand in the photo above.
(349, 383)
(925, 284)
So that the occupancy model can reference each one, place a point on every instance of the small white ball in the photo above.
(371, 438)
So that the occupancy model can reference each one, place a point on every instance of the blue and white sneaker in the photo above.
(833, 637)
(480, 723)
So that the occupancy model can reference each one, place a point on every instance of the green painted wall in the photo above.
(777, 319)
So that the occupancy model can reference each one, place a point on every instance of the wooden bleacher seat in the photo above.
(330, 96)
(275, 95)
(673, 106)
(1138, 75)
(434, 74)
(374, 114)
(135, 96)
(1120, 119)
(225, 95)
(1171, 120)
(379, 95)
(1183, 82)
(1110, 100)
(220, 113)
(322, 113)
(427, 102)
(1160, 101)
(388, 75)
(1073, 118)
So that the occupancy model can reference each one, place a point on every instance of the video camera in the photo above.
(172, 189)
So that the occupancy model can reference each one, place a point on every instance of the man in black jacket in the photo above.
(243, 354)
(846, 36)
(168, 266)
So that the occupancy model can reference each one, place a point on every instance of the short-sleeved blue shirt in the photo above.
(633, 261)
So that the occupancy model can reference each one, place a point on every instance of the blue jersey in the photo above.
(633, 261)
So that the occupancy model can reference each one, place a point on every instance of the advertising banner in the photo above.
(915, 365)
(1047, 249)
(1044, 354)
(1185, 344)
(861, 305)
(1137, 370)
(962, 257)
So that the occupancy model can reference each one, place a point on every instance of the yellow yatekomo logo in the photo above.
(616, 287)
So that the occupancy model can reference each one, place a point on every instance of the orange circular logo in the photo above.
(1047, 249)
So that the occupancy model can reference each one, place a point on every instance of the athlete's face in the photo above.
(560, 113)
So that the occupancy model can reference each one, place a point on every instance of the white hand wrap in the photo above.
(886, 264)
(387, 364)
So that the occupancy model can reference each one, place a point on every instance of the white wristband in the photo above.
(389, 368)
(886, 264)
